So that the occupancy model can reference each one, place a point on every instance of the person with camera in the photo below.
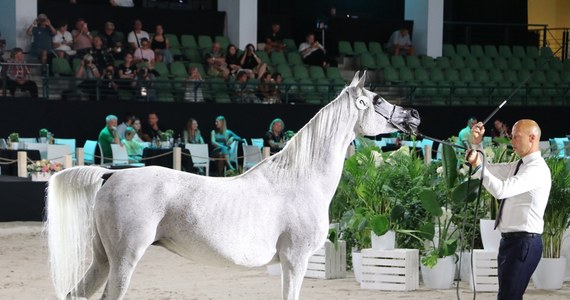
(62, 41)
(109, 86)
(110, 37)
(89, 72)
(144, 83)
(41, 32)
(82, 39)
(274, 42)
(251, 63)
(144, 54)
(101, 56)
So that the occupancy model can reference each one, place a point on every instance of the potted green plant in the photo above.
(14, 139)
(43, 134)
(444, 202)
(551, 269)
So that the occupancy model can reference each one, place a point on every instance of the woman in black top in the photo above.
(161, 45)
(251, 63)
(233, 59)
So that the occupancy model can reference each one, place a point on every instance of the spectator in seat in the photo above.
(251, 63)
(108, 136)
(144, 53)
(42, 33)
(128, 119)
(151, 130)
(18, 74)
(192, 134)
(109, 36)
(109, 86)
(127, 71)
(138, 130)
(134, 38)
(101, 56)
(274, 42)
(62, 41)
(193, 91)
(268, 89)
(243, 92)
(274, 138)
(233, 59)
(312, 52)
(134, 148)
(89, 72)
(400, 42)
(122, 3)
(144, 83)
(501, 129)
(221, 139)
(82, 39)
(216, 61)
(162, 45)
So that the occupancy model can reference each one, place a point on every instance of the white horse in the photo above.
(275, 212)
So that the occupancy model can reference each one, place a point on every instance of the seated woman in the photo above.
(192, 134)
(251, 63)
(127, 71)
(134, 148)
(232, 59)
(138, 130)
(193, 91)
(221, 138)
(268, 89)
(161, 44)
(274, 137)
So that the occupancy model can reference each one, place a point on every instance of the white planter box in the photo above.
(41, 176)
(390, 270)
(327, 262)
(485, 271)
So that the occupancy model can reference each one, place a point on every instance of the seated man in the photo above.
(312, 52)
(82, 39)
(18, 74)
(89, 72)
(216, 61)
(244, 91)
(110, 37)
(400, 42)
(41, 32)
(274, 42)
(134, 38)
(109, 135)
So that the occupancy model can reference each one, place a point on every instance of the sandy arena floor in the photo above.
(164, 275)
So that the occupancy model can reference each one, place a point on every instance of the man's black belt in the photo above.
(510, 235)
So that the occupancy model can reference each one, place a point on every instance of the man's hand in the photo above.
(473, 158)
(477, 132)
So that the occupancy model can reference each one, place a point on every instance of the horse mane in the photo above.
(308, 144)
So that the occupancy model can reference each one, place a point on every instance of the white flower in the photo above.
(489, 154)
(378, 159)
(439, 170)
(390, 161)
(445, 216)
(464, 170)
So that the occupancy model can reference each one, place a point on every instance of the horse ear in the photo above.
(362, 79)
(355, 80)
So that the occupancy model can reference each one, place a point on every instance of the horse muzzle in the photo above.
(406, 120)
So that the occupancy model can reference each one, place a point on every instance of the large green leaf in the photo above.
(430, 203)
(460, 194)
(379, 224)
(449, 247)
(397, 214)
(449, 166)
(427, 231)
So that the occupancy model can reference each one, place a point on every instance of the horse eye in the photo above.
(376, 98)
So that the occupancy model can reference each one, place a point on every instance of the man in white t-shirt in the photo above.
(400, 42)
(62, 41)
(134, 38)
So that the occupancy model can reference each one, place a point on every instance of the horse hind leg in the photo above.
(96, 274)
(122, 265)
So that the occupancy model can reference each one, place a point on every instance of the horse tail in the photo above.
(69, 226)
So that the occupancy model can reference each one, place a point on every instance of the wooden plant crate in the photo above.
(485, 271)
(390, 270)
(328, 262)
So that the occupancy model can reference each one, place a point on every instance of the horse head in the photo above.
(376, 115)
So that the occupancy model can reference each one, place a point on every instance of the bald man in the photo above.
(523, 187)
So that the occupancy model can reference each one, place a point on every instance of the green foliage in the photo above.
(14, 137)
(557, 212)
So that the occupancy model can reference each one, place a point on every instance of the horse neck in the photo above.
(319, 148)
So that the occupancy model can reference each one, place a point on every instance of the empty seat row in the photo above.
(493, 51)
(360, 47)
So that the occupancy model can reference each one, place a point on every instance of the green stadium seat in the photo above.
(300, 72)
(193, 55)
(60, 67)
(505, 51)
(457, 62)
(223, 41)
(200, 68)
(501, 63)
(316, 72)
(285, 71)
(375, 47)
(428, 62)
(397, 61)
(308, 91)
(421, 75)
(532, 51)
(391, 75)
(491, 51)
(471, 62)
(360, 47)
(443, 62)
(518, 51)
(344, 48)
(367, 62)
(462, 50)
(173, 40)
(205, 42)
(528, 63)
(486, 63)
(477, 51)
(188, 41)
(413, 62)
(263, 56)
(278, 58)
(546, 52)
(178, 70)
(294, 58)
(290, 44)
(382, 60)
(406, 76)
(452, 76)
(333, 73)
(515, 63)
(555, 64)
(449, 50)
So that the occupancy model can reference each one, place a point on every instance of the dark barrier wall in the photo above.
(84, 120)
(195, 22)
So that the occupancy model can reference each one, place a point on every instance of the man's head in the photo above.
(145, 43)
(275, 27)
(526, 137)
(42, 18)
(152, 118)
(80, 24)
(97, 42)
(109, 27)
(310, 38)
(404, 32)
(215, 47)
(111, 121)
(17, 54)
(471, 122)
(138, 25)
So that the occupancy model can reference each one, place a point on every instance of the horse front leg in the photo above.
(293, 268)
